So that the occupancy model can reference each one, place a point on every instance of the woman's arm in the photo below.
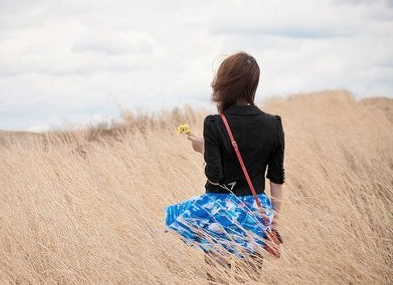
(276, 173)
(276, 196)
(208, 147)
(211, 154)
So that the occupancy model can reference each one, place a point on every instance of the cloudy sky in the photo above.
(70, 62)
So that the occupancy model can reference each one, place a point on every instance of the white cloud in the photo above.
(74, 60)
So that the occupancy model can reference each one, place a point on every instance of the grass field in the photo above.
(87, 206)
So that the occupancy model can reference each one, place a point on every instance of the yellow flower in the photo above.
(184, 129)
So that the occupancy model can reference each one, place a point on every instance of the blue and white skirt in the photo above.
(221, 222)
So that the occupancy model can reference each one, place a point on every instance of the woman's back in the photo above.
(260, 139)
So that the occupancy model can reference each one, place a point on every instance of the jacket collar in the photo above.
(247, 110)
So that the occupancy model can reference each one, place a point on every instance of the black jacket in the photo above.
(260, 138)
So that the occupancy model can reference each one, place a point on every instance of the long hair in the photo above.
(236, 81)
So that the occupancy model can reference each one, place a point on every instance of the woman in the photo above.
(226, 220)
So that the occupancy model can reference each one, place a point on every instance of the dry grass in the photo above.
(87, 207)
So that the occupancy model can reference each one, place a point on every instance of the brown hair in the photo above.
(236, 81)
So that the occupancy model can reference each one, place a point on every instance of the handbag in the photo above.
(272, 236)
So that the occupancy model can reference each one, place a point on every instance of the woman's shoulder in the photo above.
(210, 123)
(269, 115)
(272, 118)
(273, 122)
(211, 119)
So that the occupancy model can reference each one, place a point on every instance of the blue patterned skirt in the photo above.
(221, 222)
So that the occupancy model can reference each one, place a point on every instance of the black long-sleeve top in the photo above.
(260, 138)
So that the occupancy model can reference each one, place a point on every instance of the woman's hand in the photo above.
(198, 144)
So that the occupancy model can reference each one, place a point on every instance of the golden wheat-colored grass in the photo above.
(87, 207)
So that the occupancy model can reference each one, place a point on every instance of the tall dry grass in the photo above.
(87, 207)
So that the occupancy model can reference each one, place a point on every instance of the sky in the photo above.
(67, 63)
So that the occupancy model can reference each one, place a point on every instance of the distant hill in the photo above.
(382, 103)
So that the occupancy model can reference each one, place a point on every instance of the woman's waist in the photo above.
(239, 188)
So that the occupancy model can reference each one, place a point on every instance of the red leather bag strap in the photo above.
(239, 157)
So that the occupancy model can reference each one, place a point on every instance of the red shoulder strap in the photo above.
(239, 157)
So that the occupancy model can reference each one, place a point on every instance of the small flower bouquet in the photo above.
(184, 129)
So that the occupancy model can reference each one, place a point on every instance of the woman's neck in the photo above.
(242, 103)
